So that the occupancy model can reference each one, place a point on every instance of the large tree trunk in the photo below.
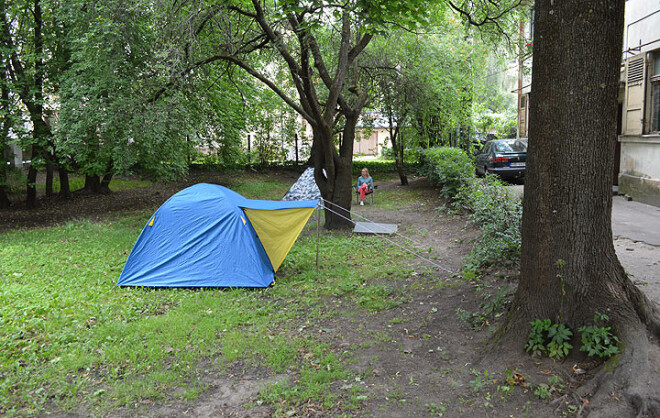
(334, 176)
(569, 269)
(95, 184)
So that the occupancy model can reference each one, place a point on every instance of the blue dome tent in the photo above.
(209, 236)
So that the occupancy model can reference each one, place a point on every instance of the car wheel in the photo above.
(485, 171)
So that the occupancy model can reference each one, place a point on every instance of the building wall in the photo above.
(16, 155)
(639, 175)
(640, 168)
(383, 140)
(523, 114)
(366, 143)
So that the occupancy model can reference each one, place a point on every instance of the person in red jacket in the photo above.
(365, 185)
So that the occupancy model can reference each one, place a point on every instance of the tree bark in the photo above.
(92, 184)
(104, 186)
(333, 174)
(31, 185)
(4, 187)
(49, 175)
(65, 189)
(4, 133)
(4, 198)
(569, 269)
(33, 100)
(398, 148)
(568, 200)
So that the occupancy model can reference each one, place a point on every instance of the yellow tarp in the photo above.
(278, 230)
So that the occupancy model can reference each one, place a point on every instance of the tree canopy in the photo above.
(134, 86)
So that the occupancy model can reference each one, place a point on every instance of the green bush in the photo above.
(498, 213)
(447, 167)
(378, 167)
(411, 155)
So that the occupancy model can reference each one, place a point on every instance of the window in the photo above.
(510, 147)
(523, 101)
(655, 93)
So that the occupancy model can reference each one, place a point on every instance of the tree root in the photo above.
(632, 388)
(647, 310)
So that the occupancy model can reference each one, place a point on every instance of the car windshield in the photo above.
(512, 146)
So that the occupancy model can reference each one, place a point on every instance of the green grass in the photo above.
(260, 187)
(117, 184)
(70, 337)
(392, 199)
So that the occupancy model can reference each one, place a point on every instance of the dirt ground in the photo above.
(421, 360)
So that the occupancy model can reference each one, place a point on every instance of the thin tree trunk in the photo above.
(4, 187)
(41, 131)
(397, 147)
(296, 142)
(104, 186)
(4, 198)
(49, 175)
(4, 131)
(65, 189)
(31, 185)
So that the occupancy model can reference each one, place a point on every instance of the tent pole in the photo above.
(318, 236)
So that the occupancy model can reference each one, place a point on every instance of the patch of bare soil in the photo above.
(417, 359)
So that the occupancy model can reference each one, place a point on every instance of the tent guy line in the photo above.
(381, 236)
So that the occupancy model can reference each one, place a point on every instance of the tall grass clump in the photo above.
(449, 168)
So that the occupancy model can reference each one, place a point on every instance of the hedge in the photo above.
(447, 167)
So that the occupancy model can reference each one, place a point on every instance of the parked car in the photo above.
(505, 157)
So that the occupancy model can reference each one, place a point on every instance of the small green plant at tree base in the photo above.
(536, 341)
(435, 409)
(548, 337)
(542, 391)
(480, 380)
(505, 390)
(491, 308)
(597, 340)
(556, 383)
(559, 345)
(511, 379)
(545, 390)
